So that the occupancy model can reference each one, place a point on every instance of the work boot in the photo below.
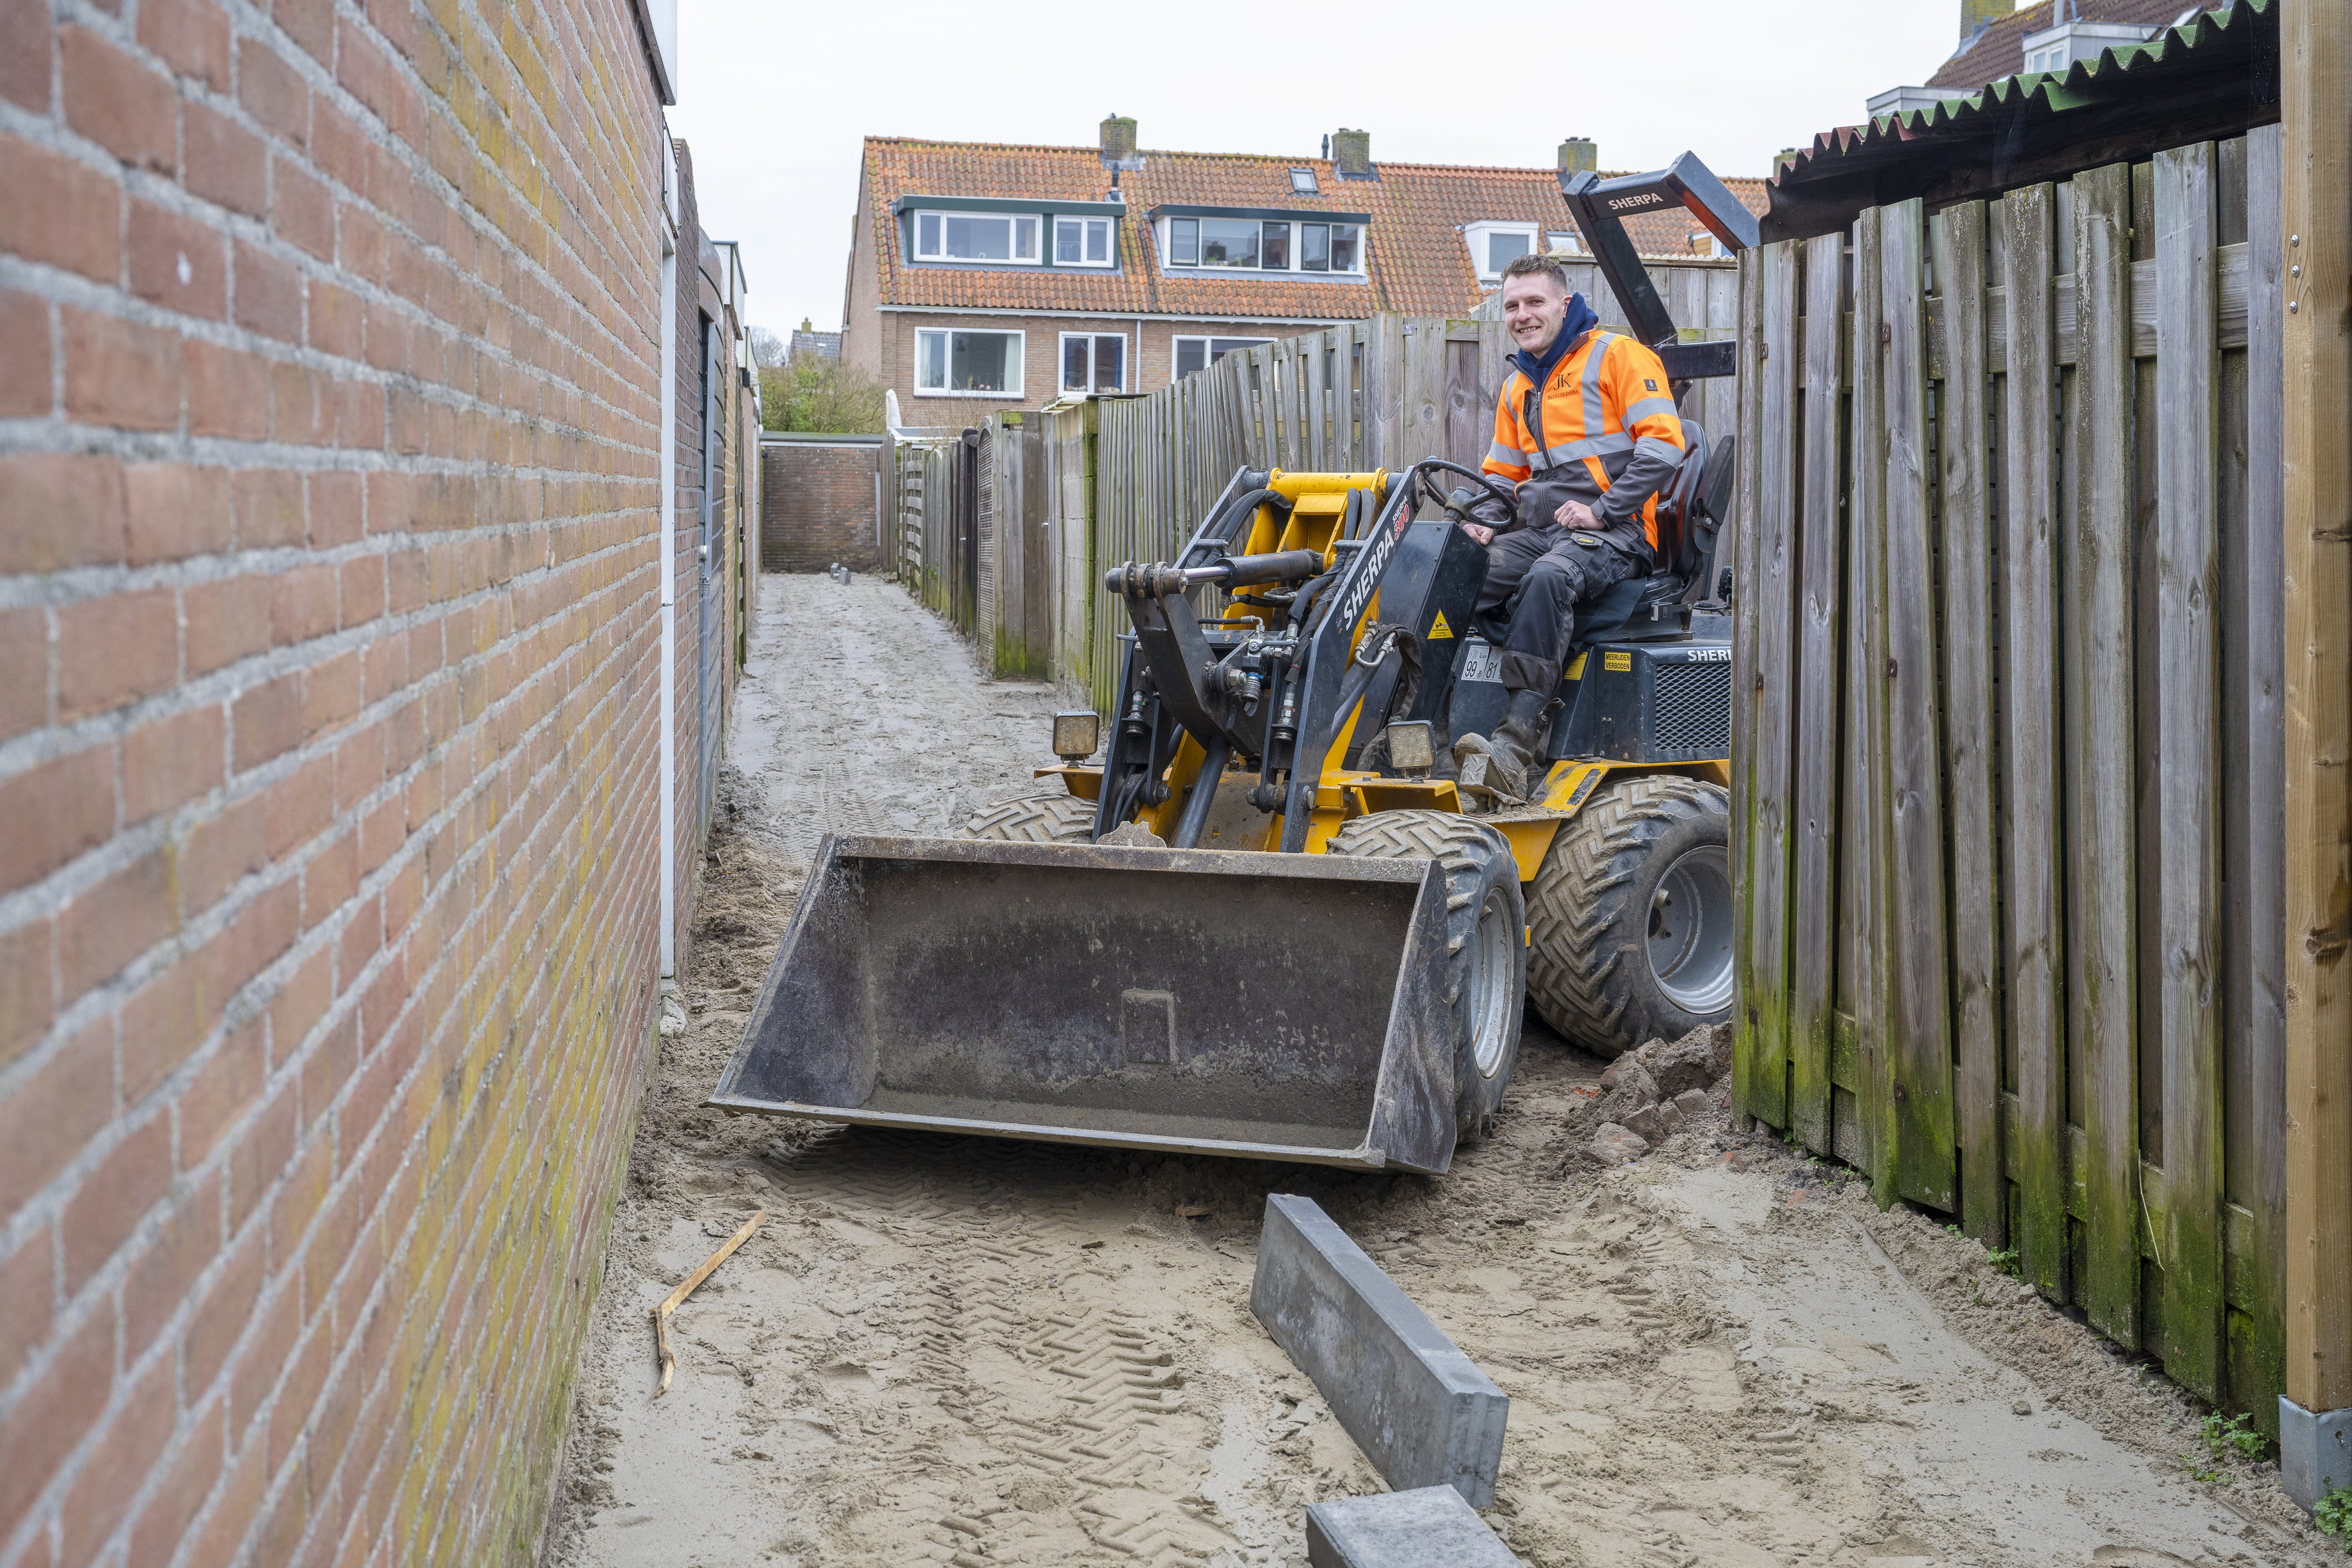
(1513, 763)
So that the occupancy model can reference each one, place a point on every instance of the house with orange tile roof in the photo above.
(984, 277)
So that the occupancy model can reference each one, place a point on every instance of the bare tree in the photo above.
(768, 350)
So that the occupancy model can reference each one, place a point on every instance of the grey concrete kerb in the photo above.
(1430, 1527)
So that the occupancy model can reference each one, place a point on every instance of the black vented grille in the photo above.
(1695, 707)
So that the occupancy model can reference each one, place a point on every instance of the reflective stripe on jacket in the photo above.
(1605, 408)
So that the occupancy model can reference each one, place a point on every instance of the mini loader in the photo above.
(1275, 920)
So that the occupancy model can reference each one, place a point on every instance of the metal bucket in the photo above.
(1219, 1002)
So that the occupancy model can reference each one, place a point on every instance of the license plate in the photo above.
(1481, 662)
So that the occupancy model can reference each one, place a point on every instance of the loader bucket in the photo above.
(1218, 1002)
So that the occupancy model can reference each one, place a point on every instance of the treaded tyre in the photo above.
(1040, 819)
(1486, 955)
(1631, 916)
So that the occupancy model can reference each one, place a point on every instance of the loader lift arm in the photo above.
(1601, 207)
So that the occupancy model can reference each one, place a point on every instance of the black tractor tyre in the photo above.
(1631, 915)
(1040, 819)
(1486, 952)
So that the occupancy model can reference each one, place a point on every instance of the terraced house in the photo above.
(985, 276)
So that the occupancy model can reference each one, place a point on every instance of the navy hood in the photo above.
(1579, 321)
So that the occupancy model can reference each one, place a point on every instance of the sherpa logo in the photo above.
(1368, 574)
(1637, 199)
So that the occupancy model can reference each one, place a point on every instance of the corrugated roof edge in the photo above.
(2038, 125)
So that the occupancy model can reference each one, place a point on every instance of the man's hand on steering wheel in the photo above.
(1483, 532)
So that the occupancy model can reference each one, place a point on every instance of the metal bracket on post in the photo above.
(2314, 1452)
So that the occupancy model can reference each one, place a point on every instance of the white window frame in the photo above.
(1204, 340)
(1110, 240)
(1571, 243)
(1020, 360)
(1062, 348)
(915, 240)
(1476, 235)
(1298, 250)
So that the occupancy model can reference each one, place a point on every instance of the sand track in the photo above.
(982, 1352)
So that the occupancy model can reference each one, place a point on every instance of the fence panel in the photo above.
(2036, 602)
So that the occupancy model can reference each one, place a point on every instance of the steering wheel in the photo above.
(1510, 503)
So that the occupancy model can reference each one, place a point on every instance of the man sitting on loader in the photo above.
(1585, 427)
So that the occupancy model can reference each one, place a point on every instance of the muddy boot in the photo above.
(1506, 764)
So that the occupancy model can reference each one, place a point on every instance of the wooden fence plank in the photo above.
(2103, 1025)
(1469, 422)
(1425, 357)
(1869, 915)
(1748, 682)
(1961, 240)
(2253, 792)
(1773, 583)
(1813, 684)
(2187, 657)
(1318, 351)
(1921, 1053)
(2033, 893)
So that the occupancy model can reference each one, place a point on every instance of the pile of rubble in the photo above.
(1650, 1094)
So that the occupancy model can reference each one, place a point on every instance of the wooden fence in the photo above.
(1061, 494)
(2008, 753)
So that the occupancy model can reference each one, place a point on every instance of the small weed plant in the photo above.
(2224, 1438)
(2005, 1260)
(2334, 1514)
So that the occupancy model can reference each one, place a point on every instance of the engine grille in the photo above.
(1693, 708)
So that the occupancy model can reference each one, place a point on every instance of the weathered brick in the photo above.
(53, 1114)
(115, 650)
(301, 804)
(58, 511)
(227, 619)
(116, 102)
(226, 162)
(24, 655)
(25, 47)
(337, 497)
(272, 91)
(115, 920)
(28, 957)
(25, 357)
(171, 762)
(127, 1181)
(191, 35)
(120, 372)
(268, 293)
(268, 508)
(228, 391)
(266, 721)
(72, 797)
(176, 510)
(177, 261)
(302, 603)
(55, 1411)
(225, 1084)
(27, 1300)
(195, 1465)
(302, 213)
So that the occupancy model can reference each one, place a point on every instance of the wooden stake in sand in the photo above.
(671, 1302)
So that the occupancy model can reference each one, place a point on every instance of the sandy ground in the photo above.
(977, 1353)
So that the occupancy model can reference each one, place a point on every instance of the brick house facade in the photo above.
(333, 398)
(1109, 268)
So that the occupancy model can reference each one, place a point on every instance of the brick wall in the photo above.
(820, 504)
(329, 382)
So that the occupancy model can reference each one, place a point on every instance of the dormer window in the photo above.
(2056, 48)
(1302, 181)
(977, 237)
(1082, 242)
(1240, 240)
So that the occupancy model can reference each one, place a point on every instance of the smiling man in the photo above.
(1585, 426)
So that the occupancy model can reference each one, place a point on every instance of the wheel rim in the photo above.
(1490, 984)
(1690, 930)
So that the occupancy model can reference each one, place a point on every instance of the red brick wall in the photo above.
(819, 507)
(328, 356)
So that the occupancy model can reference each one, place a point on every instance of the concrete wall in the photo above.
(329, 412)
(820, 501)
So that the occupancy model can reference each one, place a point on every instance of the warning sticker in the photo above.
(1616, 661)
(1438, 628)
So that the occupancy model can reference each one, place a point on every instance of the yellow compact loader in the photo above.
(1273, 921)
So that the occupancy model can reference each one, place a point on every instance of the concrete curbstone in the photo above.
(1403, 1530)
(1418, 1408)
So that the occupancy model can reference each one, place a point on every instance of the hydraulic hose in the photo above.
(1196, 814)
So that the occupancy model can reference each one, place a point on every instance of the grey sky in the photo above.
(775, 99)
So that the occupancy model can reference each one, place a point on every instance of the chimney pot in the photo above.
(1118, 141)
(1351, 154)
(1578, 152)
(1975, 14)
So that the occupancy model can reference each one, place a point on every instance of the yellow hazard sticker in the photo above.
(1438, 628)
(1616, 661)
(1576, 668)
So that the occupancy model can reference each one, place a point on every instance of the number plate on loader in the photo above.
(1481, 662)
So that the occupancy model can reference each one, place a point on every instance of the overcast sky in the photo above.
(774, 98)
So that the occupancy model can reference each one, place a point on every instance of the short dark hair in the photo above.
(1535, 261)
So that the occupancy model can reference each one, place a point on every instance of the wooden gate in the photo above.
(2007, 778)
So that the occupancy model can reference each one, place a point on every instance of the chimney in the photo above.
(1119, 142)
(1975, 14)
(1578, 152)
(1351, 154)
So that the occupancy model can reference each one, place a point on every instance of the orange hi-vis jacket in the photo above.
(1603, 423)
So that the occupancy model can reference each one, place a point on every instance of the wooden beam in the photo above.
(2316, 64)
